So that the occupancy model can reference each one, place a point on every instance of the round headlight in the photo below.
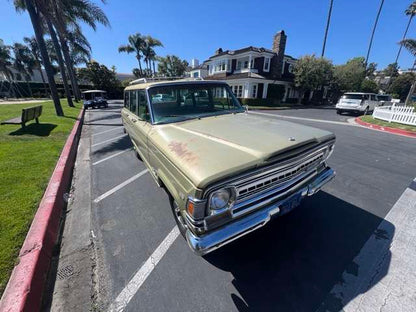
(220, 199)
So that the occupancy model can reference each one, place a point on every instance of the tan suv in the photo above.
(227, 171)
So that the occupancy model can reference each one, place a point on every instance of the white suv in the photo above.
(357, 102)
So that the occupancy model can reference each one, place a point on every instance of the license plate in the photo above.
(290, 204)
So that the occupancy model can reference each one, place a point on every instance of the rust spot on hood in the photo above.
(181, 150)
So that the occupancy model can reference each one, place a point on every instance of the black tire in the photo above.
(177, 216)
(339, 112)
(367, 109)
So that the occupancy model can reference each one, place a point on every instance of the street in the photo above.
(291, 264)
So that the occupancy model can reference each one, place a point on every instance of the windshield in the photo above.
(352, 96)
(92, 96)
(181, 102)
(383, 97)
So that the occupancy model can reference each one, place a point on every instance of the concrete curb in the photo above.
(26, 284)
(386, 129)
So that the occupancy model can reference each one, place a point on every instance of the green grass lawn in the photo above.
(27, 160)
(383, 123)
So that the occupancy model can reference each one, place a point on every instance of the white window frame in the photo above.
(266, 69)
(254, 90)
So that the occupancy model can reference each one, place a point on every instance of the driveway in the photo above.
(289, 265)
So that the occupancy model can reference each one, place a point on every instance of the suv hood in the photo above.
(210, 149)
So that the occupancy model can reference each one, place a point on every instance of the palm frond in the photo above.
(410, 45)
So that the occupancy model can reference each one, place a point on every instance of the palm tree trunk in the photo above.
(372, 34)
(70, 67)
(34, 17)
(404, 37)
(140, 67)
(154, 68)
(60, 62)
(327, 26)
(30, 88)
(43, 77)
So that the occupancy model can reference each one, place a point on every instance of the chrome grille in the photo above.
(256, 191)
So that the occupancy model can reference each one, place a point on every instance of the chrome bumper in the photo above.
(206, 243)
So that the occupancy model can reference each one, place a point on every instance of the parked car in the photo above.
(357, 102)
(384, 99)
(227, 171)
(94, 98)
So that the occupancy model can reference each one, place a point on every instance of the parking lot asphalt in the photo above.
(289, 265)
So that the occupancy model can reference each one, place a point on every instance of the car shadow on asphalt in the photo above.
(293, 263)
(106, 117)
(118, 145)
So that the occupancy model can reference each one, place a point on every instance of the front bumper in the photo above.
(350, 108)
(206, 243)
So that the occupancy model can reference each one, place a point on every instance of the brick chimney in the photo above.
(279, 45)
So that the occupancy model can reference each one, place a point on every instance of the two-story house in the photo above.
(251, 71)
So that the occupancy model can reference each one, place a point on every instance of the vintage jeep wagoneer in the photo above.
(227, 171)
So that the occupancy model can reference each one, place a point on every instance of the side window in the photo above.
(366, 97)
(373, 97)
(133, 102)
(126, 99)
(143, 111)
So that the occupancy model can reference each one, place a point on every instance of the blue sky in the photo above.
(195, 29)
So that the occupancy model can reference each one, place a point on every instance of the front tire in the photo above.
(177, 215)
(366, 111)
(339, 112)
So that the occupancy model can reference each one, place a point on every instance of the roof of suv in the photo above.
(146, 84)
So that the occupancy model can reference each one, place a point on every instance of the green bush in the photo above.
(261, 102)
(276, 92)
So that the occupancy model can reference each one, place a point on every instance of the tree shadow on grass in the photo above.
(37, 129)
(293, 263)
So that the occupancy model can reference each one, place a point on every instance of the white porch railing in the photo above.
(401, 114)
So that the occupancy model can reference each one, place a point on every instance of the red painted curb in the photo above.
(25, 287)
(386, 129)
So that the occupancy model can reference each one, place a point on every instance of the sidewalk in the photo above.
(382, 276)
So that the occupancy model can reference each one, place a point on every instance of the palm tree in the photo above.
(327, 26)
(6, 62)
(410, 45)
(24, 62)
(33, 46)
(149, 53)
(67, 13)
(34, 9)
(373, 32)
(136, 44)
(60, 59)
(410, 11)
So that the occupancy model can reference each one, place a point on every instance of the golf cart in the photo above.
(94, 98)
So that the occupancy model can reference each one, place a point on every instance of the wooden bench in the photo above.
(28, 114)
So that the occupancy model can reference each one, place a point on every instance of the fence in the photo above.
(401, 114)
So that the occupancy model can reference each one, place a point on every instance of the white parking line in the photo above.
(109, 140)
(105, 131)
(306, 119)
(143, 273)
(111, 156)
(120, 186)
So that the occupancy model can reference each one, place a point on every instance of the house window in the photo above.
(254, 91)
(290, 68)
(238, 65)
(245, 64)
(195, 74)
(252, 63)
(266, 66)
(239, 92)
